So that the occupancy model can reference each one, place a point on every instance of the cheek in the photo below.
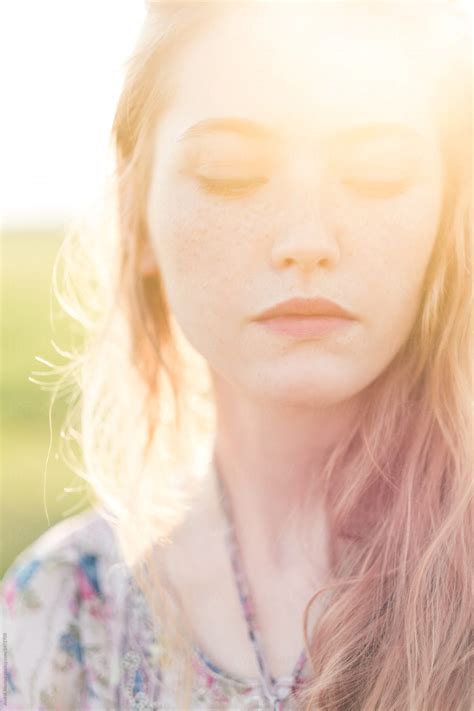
(392, 245)
(203, 250)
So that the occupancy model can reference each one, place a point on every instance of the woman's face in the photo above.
(316, 172)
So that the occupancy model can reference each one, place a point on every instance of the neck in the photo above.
(270, 458)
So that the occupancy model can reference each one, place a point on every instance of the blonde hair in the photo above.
(399, 491)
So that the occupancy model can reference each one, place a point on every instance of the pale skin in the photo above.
(322, 223)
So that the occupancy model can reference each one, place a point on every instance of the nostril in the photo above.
(306, 259)
(309, 246)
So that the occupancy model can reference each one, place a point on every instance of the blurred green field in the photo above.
(32, 485)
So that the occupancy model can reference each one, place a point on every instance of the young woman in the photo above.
(275, 413)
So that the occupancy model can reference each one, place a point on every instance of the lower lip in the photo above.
(307, 326)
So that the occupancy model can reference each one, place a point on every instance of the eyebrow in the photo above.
(232, 124)
(260, 131)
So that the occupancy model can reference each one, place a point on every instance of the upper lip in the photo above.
(306, 307)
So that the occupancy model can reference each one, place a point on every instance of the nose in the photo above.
(305, 241)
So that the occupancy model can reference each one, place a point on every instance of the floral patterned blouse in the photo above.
(77, 634)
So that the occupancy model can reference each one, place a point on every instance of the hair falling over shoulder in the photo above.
(398, 633)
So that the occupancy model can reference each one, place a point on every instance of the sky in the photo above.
(61, 72)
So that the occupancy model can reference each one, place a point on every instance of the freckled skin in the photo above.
(303, 233)
(282, 402)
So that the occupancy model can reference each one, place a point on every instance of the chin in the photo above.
(318, 390)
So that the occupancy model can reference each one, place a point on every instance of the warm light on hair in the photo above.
(399, 491)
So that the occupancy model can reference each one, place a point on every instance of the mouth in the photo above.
(306, 326)
(306, 318)
(318, 307)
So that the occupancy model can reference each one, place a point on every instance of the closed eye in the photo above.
(237, 187)
(230, 187)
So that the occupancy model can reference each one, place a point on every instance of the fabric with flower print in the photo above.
(79, 634)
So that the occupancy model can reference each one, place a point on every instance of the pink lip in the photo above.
(307, 318)
(306, 307)
(306, 326)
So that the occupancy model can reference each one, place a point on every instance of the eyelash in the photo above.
(230, 188)
(239, 188)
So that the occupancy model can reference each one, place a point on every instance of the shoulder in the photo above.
(66, 538)
(56, 600)
(65, 553)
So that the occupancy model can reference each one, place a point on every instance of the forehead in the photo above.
(303, 70)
